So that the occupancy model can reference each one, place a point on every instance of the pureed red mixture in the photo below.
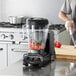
(36, 45)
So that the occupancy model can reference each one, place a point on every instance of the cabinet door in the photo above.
(16, 52)
(3, 56)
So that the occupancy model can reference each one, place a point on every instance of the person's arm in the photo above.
(63, 16)
(66, 20)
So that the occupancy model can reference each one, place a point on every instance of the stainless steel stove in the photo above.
(13, 43)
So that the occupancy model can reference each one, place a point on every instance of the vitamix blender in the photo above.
(40, 43)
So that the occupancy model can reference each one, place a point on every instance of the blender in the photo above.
(38, 42)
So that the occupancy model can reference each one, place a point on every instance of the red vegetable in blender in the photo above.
(36, 46)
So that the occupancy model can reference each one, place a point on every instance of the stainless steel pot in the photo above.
(15, 19)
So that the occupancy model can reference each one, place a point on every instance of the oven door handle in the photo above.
(13, 49)
(1, 49)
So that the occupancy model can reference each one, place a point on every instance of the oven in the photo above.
(16, 52)
(3, 56)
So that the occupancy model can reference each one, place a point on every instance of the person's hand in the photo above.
(69, 25)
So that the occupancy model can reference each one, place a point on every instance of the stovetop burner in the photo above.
(8, 25)
(60, 27)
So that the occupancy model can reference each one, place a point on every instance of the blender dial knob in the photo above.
(11, 36)
(3, 36)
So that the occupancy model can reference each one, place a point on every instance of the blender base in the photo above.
(35, 59)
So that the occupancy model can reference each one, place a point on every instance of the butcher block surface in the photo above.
(66, 52)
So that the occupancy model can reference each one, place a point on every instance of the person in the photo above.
(67, 14)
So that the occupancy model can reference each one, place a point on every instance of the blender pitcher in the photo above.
(40, 43)
(37, 31)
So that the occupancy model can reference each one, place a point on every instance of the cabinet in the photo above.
(3, 56)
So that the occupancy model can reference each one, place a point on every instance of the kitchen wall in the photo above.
(38, 8)
(0, 10)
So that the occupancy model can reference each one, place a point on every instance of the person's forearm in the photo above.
(63, 17)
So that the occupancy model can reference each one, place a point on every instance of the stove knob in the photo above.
(3, 36)
(24, 38)
(11, 36)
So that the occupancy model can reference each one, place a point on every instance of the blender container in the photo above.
(40, 43)
(37, 31)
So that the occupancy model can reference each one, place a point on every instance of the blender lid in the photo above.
(38, 22)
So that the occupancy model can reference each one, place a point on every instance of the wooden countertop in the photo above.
(66, 52)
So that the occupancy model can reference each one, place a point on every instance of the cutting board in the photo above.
(66, 52)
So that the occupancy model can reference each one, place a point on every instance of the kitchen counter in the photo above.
(56, 68)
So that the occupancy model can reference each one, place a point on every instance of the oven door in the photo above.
(3, 56)
(16, 52)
